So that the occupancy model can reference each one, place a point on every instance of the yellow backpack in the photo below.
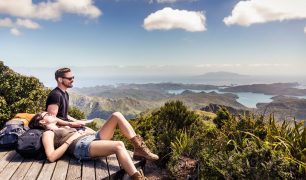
(24, 117)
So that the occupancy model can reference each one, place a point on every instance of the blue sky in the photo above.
(156, 36)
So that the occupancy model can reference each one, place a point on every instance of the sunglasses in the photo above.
(40, 117)
(69, 78)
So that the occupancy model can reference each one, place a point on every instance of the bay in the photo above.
(247, 99)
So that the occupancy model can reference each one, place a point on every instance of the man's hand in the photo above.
(77, 124)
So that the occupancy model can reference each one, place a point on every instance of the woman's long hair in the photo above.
(34, 123)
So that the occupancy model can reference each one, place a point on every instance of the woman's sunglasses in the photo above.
(40, 117)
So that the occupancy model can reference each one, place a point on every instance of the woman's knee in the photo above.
(117, 114)
(119, 146)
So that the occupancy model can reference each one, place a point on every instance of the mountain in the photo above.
(222, 75)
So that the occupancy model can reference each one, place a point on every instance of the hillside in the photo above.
(284, 108)
(132, 99)
(148, 91)
(199, 100)
(102, 107)
(269, 89)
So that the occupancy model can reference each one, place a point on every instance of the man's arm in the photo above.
(72, 118)
(80, 123)
(53, 109)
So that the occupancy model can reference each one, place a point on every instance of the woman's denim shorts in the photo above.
(81, 150)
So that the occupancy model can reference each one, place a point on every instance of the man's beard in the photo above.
(68, 85)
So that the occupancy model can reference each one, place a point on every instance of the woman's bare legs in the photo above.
(107, 147)
(108, 129)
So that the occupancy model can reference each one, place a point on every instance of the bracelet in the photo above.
(67, 143)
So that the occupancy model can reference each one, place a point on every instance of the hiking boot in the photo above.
(141, 150)
(139, 176)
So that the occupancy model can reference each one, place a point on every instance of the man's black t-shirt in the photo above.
(57, 96)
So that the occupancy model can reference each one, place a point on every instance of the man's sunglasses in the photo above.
(69, 78)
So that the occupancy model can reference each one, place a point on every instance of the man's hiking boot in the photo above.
(139, 176)
(141, 150)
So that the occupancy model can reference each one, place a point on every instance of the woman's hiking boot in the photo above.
(139, 176)
(141, 150)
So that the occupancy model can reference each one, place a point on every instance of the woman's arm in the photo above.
(48, 142)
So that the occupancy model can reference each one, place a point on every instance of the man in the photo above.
(58, 99)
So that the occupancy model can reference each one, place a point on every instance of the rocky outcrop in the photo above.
(214, 108)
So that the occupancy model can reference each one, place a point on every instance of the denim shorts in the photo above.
(81, 150)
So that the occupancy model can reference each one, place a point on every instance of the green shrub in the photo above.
(19, 93)
(249, 147)
(168, 123)
(76, 113)
(162, 127)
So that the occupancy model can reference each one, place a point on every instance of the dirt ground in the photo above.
(152, 172)
(186, 170)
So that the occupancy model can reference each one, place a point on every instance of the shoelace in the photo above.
(146, 149)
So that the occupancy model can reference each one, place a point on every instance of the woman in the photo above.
(57, 140)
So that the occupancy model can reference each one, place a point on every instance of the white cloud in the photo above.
(49, 10)
(6, 22)
(168, 18)
(305, 29)
(27, 23)
(15, 32)
(246, 13)
(83, 7)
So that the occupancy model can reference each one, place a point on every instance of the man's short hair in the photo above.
(61, 72)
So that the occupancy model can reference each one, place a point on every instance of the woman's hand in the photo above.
(73, 137)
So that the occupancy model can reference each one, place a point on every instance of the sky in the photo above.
(155, 37)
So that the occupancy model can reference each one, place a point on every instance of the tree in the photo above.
(19, 93)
